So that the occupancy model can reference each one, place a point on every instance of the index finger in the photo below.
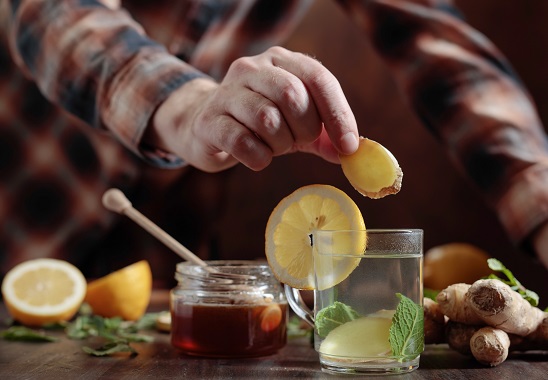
(334, 110)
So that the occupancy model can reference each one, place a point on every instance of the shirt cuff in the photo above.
(130, 101)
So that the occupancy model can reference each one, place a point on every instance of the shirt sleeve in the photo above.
(468, 96)
(97, 63)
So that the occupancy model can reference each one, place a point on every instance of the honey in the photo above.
(237, 309)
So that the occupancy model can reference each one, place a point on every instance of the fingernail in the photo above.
(349, 143)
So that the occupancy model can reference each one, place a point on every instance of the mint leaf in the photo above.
(512, 281)
(295, 329)
(21, 333)
(147, 322)
(133, 337)
(530, 296)
(116, 333)
(407, 330)
(109, 349)
(430, 293)
(496, 265)
(333, 316)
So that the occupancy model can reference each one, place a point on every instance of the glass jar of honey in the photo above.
(227, 309)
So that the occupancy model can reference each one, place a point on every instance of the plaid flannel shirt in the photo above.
(69, 65)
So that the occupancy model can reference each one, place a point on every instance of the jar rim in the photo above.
(225, 264)
(225, 272)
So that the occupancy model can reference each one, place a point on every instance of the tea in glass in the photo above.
(371, 322)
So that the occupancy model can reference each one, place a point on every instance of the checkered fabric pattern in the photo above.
(80, 79)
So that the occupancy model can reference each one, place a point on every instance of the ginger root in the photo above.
(487, 320)
(499, 306)
(372, 170)
(490, 346)
(458, 335)
(455, 306)
(537, 340)
(434, 322)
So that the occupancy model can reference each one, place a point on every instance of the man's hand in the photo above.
(271, 104)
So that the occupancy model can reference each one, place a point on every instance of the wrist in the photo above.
(173, 119)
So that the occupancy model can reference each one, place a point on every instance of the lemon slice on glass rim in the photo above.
(288, 237)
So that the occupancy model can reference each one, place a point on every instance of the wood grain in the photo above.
(159, 360)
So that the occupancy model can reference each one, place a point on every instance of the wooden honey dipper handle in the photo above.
(115, 200)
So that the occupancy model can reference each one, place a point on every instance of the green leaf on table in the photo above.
(296, 328)
(146, 322)
(333, 316)
(512, 281)
(85, 326)
(133, 337)
(115, 331)
(22, 333)
(110, 348)
(407, 329)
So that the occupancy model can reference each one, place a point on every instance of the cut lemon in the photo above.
(289, 234)
(271, 317)
(124, 293)
(41, 291)
(372, 170)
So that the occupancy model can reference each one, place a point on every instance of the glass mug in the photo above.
(228, 309)
(355, 331)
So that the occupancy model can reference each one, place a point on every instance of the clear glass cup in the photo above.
(355, 331)
(230, 309)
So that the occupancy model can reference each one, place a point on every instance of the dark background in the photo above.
(434, 196)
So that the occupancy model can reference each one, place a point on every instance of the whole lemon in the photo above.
(454, 263)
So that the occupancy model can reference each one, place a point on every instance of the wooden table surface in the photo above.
(159, 360)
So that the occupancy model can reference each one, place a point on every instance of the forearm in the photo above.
(96, 63)
(466, 94)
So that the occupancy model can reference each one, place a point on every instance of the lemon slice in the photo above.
(41, 291)
(291, 225)
(372, 170)
(124, 293)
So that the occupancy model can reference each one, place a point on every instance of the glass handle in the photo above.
(298, 305)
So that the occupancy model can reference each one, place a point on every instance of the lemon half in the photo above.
(288, 242)
(41, 291)
(124, 293)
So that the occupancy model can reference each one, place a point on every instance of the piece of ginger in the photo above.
(453, 303)
(498, 305)
(490, 346)
(372, 170)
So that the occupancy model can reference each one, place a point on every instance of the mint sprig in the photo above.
(110, 348)
(512, 281)
(117, 333)
(333, 316)
(407, 330)
(22, 333)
